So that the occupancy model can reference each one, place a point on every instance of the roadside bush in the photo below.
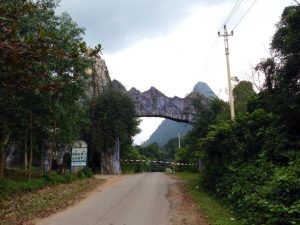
(127, 167)
(54, 178)
(88, 172)
(250, 166)
(81, 175)
(10, 187)
(70, 177)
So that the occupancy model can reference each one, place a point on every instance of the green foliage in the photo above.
(133, 153)
(215, 212)
(18, 184)
(282, 88)
(81, 175)
(113, 117)
(252, 164)
(42, 66)
(242, 93)
(88, 172)
(11, 187)
(152, 151)
(249, 165)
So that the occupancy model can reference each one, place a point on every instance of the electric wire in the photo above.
(236, 6)
(210, 56)
(232, 12)
(245, 14)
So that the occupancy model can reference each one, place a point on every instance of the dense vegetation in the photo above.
(253, 164)
(42, 66)
(44, 99)
(17, 183)
(113, 124)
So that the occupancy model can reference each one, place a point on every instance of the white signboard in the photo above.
(79, 154)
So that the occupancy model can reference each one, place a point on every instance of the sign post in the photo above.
(79, 155)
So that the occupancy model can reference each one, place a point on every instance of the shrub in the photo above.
(70, 177)
(81, 175)
(10, 187)
(88, 172)
(252, 167)
(54, 178)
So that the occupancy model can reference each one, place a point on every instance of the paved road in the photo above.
(135, 200)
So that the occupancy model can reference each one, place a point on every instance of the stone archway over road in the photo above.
(153, 103)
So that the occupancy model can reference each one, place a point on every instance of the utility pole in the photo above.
(179, 140)
(226, 35)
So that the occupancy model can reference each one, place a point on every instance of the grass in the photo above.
(216, 213)
(22, 200)
(16, 181)
(45, 201)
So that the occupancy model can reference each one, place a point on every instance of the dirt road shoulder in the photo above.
(184, 210)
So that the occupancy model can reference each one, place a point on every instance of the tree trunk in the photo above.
(116, 158)
(3, 142)
(25, 155)
(30, 150)
(1, 163)
(53, 145)
(110, 160)
(106, 162)
(51, 156)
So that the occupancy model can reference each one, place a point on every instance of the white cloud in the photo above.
(172, 53)
(175, 62)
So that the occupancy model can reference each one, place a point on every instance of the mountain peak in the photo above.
(204, 89)
(169, 129)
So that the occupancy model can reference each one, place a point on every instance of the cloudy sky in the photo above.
(173, 44)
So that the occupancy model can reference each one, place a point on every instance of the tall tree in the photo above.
(282, 87)
(242, 93)
(113, 123)
(42, 66)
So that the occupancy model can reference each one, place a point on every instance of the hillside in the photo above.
(169, 129)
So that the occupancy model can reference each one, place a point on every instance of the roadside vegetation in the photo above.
(16, 183)
(23, 200)
(48, 95)
(253, 164)
(214, 211)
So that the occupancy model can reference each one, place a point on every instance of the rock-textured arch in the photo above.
(153, 103)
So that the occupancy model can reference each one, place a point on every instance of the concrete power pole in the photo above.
(231, 102)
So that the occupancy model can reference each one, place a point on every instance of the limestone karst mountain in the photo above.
(169, 129)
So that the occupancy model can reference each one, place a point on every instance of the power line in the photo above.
(210, 55)
(232, 12)
(236, 6)
(251, 6)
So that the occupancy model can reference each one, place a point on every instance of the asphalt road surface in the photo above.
(135, 200)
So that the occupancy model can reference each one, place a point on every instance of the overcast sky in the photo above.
(173, 44)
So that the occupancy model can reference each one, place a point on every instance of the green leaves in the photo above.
(113, 116)
(42, 67)
(253, 164)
